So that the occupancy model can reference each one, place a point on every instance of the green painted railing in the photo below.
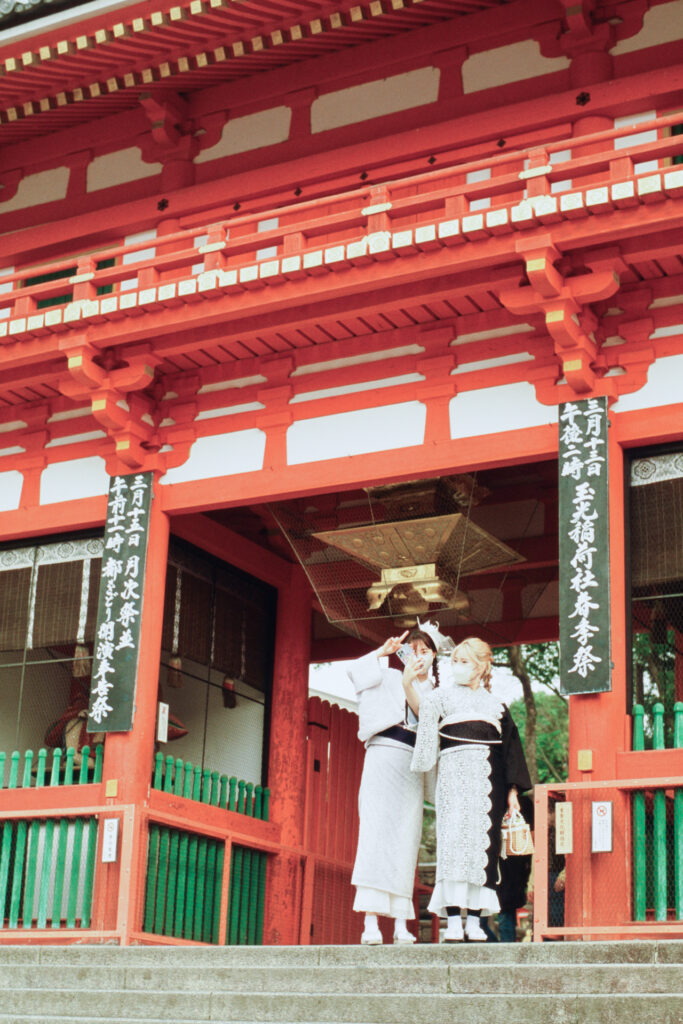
(185, 870)
(186, 779)
(657, 859)
(247, 897)
(47, 865)
(184, 883)
(63, 770)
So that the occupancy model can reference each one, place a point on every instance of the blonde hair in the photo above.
(481, 654)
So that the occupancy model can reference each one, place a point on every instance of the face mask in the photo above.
(461, 673)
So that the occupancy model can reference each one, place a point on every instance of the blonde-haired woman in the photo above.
(481, 768)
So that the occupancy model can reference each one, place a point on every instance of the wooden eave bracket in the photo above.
(564, 304)
(116, 399)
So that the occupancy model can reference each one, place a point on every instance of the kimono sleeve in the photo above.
(516, 771)
(427, 740)
(366, 672)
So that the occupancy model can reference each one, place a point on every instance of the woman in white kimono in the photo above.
(481, 768)
(391, 796)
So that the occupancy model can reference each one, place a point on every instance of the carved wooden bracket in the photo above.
(564, 304)
(116, 400)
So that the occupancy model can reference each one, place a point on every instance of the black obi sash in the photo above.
(463, 734)
(398, 732)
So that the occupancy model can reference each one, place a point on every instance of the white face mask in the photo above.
(461, 673)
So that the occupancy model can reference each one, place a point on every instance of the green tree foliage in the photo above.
(654, 664)
(552, 734)
(538, 665)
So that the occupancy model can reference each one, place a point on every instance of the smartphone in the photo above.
(405, 653)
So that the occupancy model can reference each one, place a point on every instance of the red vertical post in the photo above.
(128, 756)
(287, 758)
(599, 723)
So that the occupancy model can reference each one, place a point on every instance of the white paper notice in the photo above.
(162, 723)
(602, 827)
(110, 839)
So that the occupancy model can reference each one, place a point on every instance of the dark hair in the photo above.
(418, 634)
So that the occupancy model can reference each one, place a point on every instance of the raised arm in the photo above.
(391, 645)
(410, 673)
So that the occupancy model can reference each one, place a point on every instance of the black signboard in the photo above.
(585, 653)
(117, 634)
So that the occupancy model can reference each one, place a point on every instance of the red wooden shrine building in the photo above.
(347, 293)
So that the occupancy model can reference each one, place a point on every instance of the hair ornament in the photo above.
(443, 644)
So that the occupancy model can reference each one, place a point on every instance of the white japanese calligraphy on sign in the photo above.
(583, 460)
(120, 605)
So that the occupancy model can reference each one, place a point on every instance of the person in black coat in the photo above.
(514, 881)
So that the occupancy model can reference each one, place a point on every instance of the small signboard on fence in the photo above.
(117, 633)
(601, 833)
(564, 832)
(585, 653)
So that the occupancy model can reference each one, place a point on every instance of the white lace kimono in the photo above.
(480, 758)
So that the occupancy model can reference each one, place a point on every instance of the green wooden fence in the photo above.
(63, 770)
(191, 781)
(657, 827)
(184, 883)
(185, 870)
(47, 864)
(247, 897)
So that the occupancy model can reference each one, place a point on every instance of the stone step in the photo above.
(60, 1007)
(641, 951)
(562, 983)
(391, 980)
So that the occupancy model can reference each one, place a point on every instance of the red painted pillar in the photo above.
(599, 723)
(287, 758)
(128, 756)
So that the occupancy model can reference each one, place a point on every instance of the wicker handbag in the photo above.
(516, 838)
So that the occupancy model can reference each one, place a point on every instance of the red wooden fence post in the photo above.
(287, 760)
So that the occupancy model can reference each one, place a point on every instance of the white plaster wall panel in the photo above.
(560, 156)
(506, 64)
(270, 251)
(355, 360)
(638, 138)
(90, 435)
(119, 168)
(494, 363)
(496, 332)
(356, 433)
(137, 256)
(44, 187)
(76, 478)
(11, 482)
(498, 409)
(663, 387)
(254, 131)
(375, 99)
(661, 24)
(484, 174)
(6, 286)
(221, 455)
(353, 389)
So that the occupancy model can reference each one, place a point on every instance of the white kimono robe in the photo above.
(390, 799)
